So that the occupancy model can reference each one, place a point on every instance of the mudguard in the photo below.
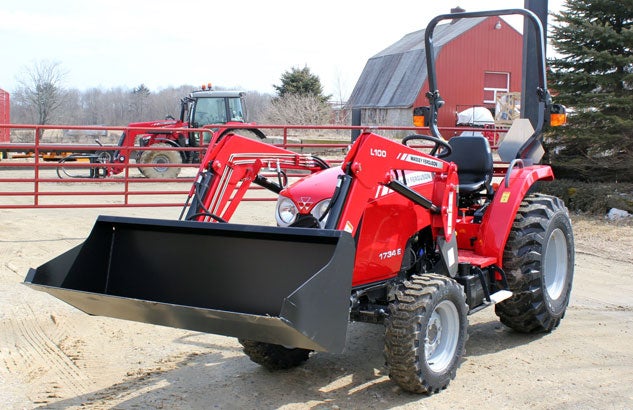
(499, 217)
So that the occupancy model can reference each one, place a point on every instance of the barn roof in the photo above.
(393, 78)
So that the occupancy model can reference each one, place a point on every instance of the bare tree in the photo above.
(93, 104)
(299, 110)
(71, 111)
(41, 90)
(257, 105)
(166, 102)
(341, 112)
(138, 102)
(117, 106)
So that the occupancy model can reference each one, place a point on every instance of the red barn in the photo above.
(4, 115)
(477, 59)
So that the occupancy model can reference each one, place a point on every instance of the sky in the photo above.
(245, 44)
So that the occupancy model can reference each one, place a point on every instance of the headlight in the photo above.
(319, 210)
(286, 211)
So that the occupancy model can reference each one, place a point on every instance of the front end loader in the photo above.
(411, 239)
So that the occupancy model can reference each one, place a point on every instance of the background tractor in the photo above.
(220, 112)
(413, 239)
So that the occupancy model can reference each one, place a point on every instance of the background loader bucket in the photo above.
(288, 286)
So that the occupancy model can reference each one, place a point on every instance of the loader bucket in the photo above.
(287, 286)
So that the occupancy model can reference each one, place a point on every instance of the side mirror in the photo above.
(421, 116)
(557, 115)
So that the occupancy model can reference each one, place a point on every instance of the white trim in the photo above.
(495, 91)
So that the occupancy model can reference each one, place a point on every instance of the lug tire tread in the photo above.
(526, 311)
(402, 338)
(274, 357)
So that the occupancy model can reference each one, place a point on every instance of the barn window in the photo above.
(495, 83)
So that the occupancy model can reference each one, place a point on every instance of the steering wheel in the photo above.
(439, 143)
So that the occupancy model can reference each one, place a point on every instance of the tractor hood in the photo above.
(311, 190)
(160, 123)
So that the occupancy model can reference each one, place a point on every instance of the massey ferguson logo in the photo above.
(422, 160)
(305, 203)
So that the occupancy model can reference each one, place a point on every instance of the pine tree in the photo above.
(301, 82)
(594, 77)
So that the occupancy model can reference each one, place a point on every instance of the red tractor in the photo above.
(221, 112)
(396, 235)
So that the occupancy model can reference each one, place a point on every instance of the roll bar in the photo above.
(544, 98)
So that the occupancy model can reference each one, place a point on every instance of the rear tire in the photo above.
(160, 157)
(539, 264)
(426, 333)
(272, 356)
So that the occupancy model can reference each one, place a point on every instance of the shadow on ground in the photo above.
(225, 378)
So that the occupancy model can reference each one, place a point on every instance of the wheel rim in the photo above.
(442, 333)
(161, 160)
(104, 157)
(555, 264)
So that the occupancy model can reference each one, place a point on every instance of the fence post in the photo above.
(36, 168)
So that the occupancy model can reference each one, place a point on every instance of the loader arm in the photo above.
(228, 169)
(371, 164)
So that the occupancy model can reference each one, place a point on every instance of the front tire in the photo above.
(539, 264)
(426, 333)
(272, 356)
(158, 158)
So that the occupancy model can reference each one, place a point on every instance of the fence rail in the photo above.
(35, 174)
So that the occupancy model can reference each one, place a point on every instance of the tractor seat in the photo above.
(473, 158)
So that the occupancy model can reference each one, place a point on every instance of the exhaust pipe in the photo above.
(287, 286)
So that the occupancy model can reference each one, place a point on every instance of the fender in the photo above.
(161, 138)
(233, 129)
(497, 222)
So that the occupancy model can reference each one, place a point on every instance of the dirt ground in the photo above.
(54, 356)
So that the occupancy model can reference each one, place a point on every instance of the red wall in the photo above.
(461, 65)
(4, 115)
